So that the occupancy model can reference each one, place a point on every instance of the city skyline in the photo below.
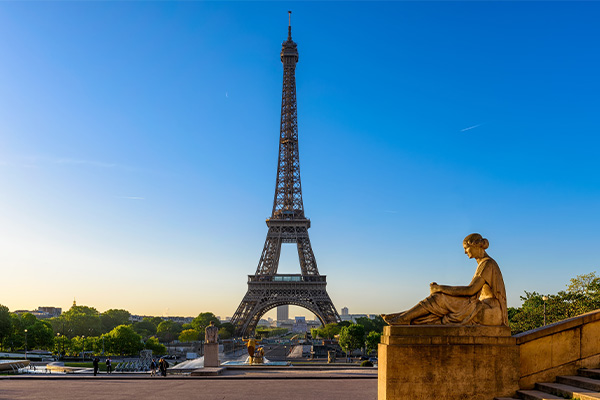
(138, 148)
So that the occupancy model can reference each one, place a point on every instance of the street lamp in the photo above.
(58, 339)
(102, 344)
(83, 351)
(26, 344)
(545, 298)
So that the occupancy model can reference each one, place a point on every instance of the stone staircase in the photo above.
(584, 386)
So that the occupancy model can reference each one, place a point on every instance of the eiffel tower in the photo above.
(266, 288)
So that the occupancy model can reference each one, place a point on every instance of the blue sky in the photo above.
(138, 148)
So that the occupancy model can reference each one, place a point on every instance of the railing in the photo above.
(287, 278)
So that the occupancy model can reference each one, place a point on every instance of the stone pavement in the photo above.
(232, 385)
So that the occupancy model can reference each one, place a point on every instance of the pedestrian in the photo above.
(96, 363)
(108, 366)
(162, 366)
(153, 367)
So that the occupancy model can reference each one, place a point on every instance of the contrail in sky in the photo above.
(469, 128)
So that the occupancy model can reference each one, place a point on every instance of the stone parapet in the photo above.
(445, 362)
(559, 349)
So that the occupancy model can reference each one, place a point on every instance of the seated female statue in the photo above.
(482, 302)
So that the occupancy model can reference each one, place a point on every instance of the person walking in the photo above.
(153, 367)
(96, 364)
(108, 366)
(162, 366)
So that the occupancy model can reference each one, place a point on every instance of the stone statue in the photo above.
(211, 333)
(482, 302)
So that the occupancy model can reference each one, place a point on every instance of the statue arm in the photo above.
(474, 287)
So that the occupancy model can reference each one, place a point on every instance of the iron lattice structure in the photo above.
(266, 288)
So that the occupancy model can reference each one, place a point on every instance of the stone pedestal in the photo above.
(442, 362)
(211, 355)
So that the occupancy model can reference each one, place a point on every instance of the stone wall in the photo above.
(559, 349)
(422, 362)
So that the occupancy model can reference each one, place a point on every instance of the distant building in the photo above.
(180, 320)
(313, 324)
(53, 311)
(353, 317)
(345, 311)
(283, 313)
(288, 324)
(137, 318)
(264, 323)
(41, 312)
(300, 325)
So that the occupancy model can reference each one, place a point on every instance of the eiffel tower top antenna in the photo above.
(289, 25)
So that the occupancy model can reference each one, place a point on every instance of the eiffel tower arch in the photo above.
(266, 288)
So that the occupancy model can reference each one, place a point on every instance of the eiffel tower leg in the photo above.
(308, 264)
(269, 259)
(328, 311)
(246, 311)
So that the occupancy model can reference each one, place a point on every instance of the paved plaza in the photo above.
(232, 385)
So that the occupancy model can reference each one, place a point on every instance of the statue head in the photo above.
(475, 245)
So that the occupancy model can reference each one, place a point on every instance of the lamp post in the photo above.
(26, 344)
(63, 340)
(83, 351)
(58, 344)
(545, 298)
(102, 344)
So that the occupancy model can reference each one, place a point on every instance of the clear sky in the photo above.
(138, 148)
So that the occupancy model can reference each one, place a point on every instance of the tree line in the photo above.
(365, 333)
(83, 328)
(581, 296)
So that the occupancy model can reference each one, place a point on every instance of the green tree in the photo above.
(224, 334)
(62, 344)
(112, 318)
(227, 330)
(352, 337)
(372, 325)
(145, 328)
(155, 320)
(90, 344)
(28, 320)
(189, 335)
(40, 335)
(584, 284)
(328, 331)
(124, 340)
(78, 321)
(153, 344)
(263, 332)
(582, 295)
(167, 331)
(372, 341)
(5, 325)
(203, 320)
(16, 339)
